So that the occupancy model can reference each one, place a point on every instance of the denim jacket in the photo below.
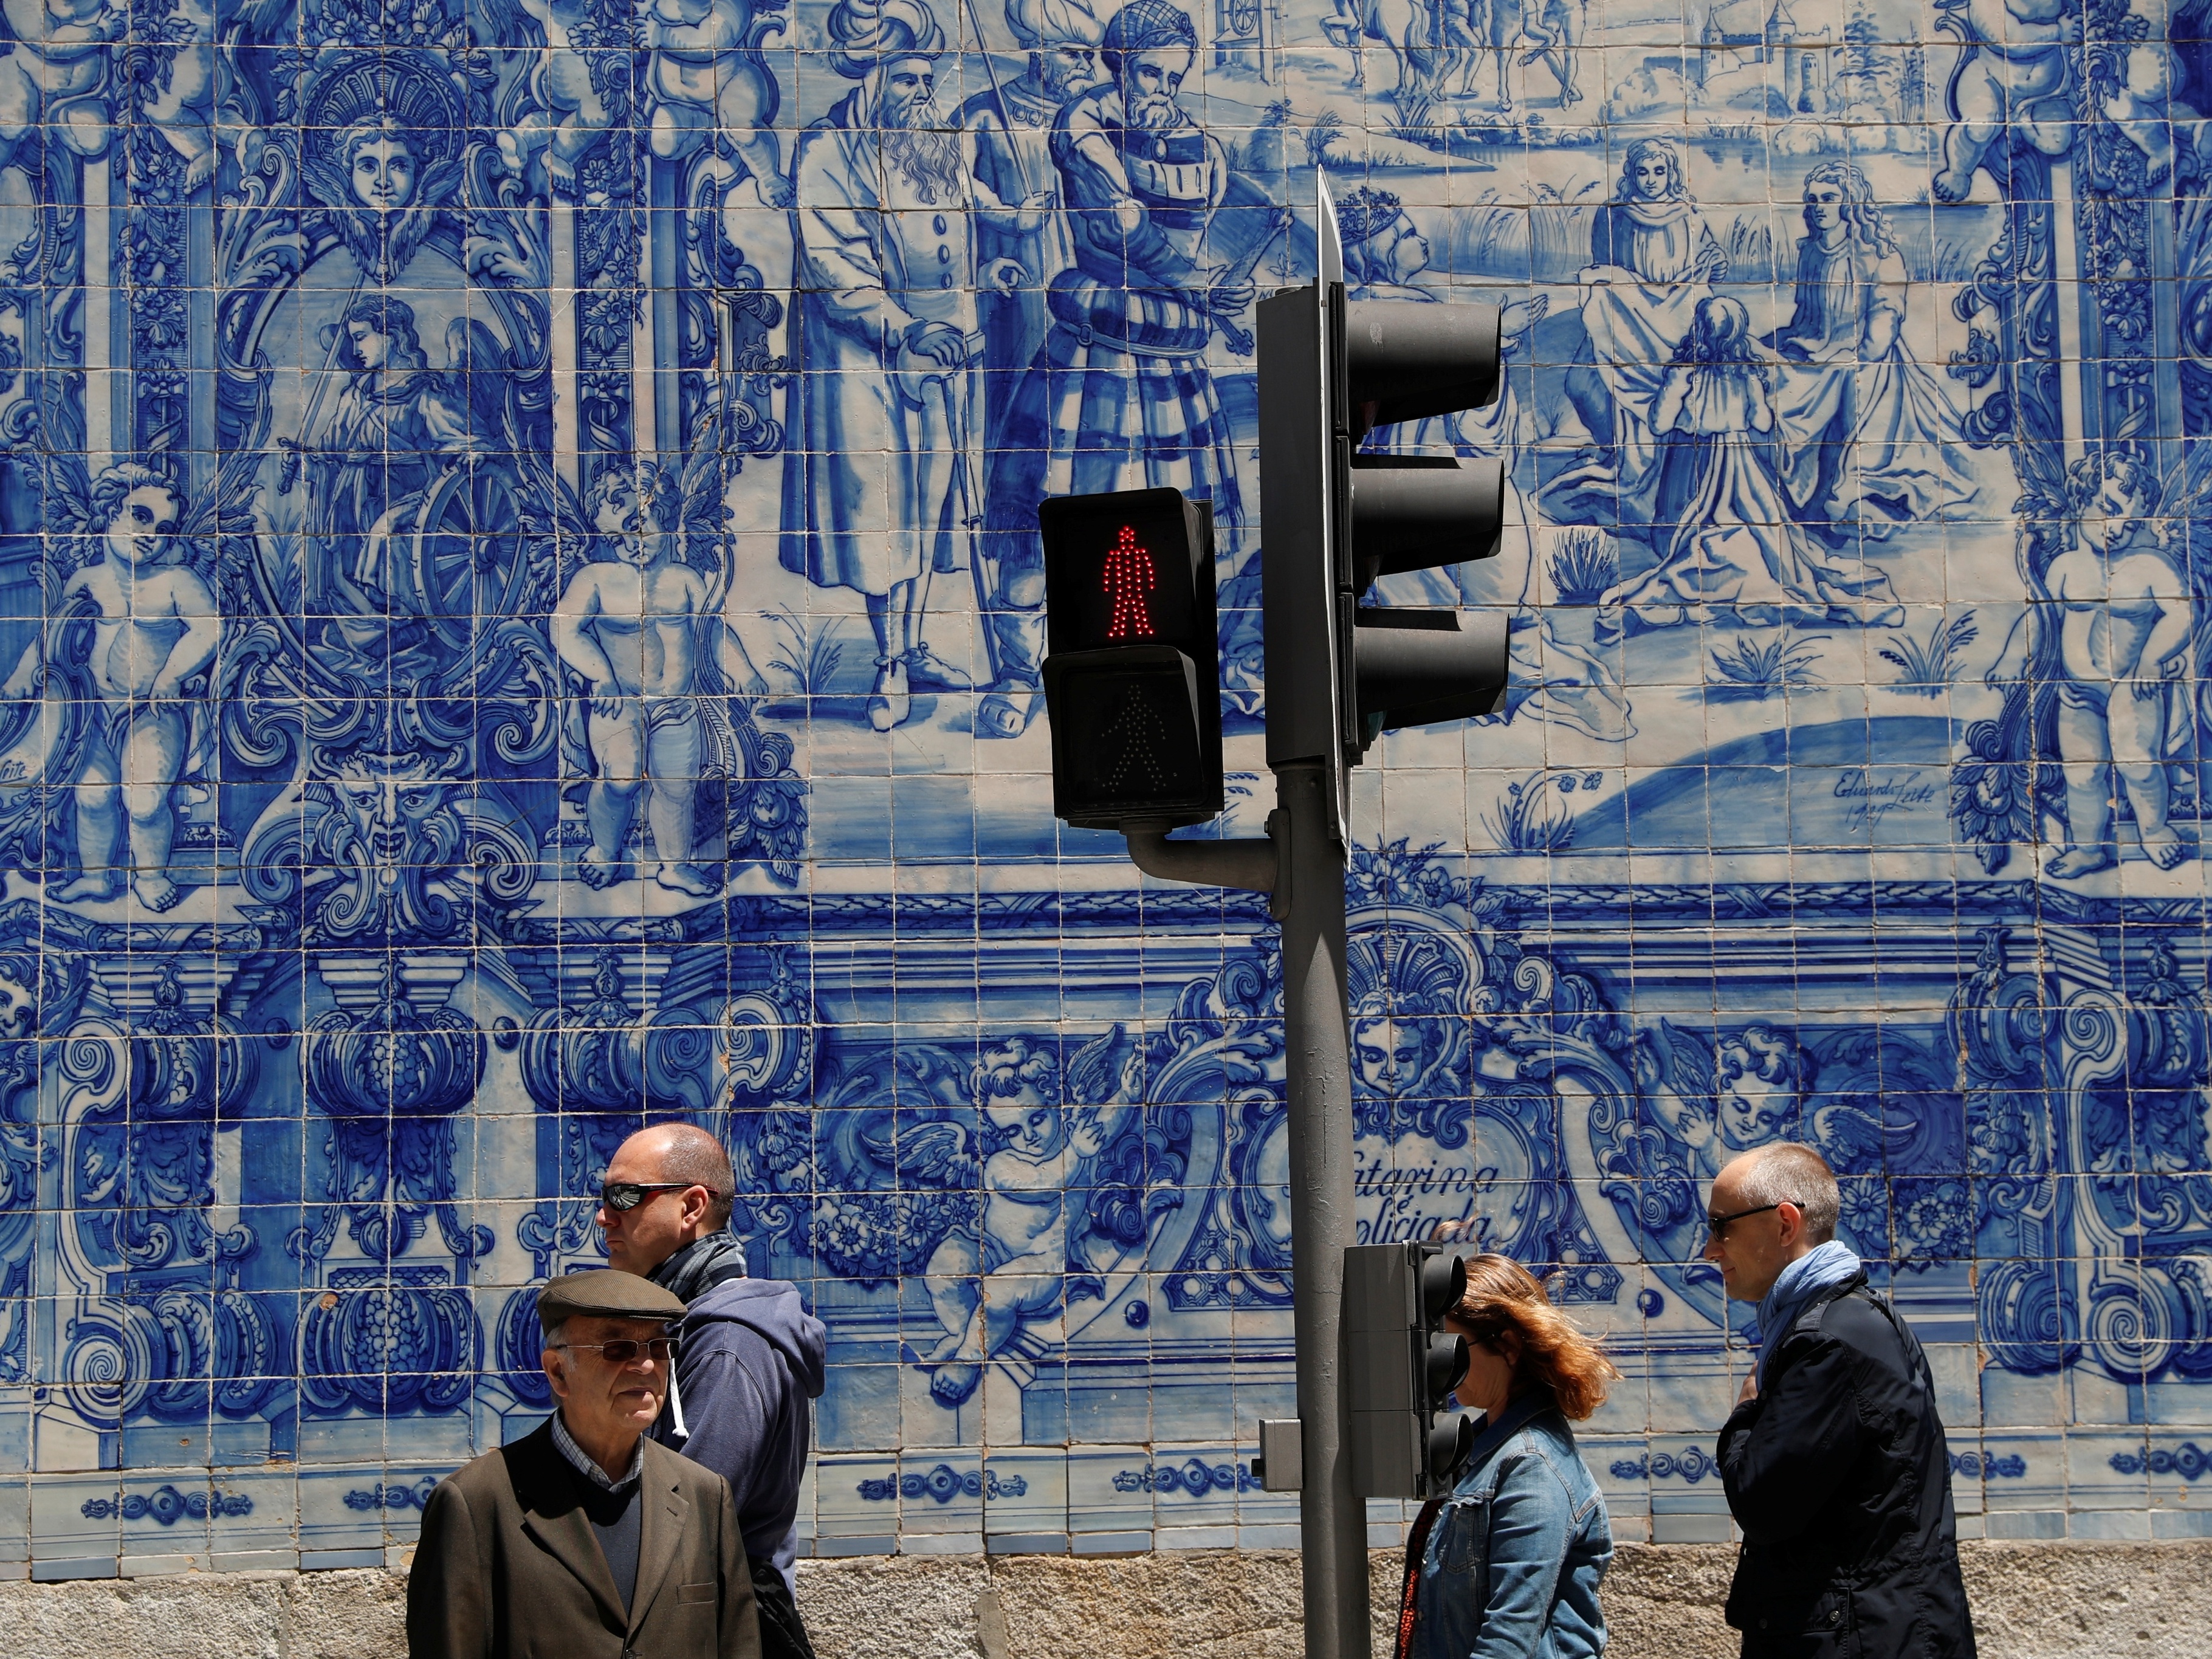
(1513, 1558)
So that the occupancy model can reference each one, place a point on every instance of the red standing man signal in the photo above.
(1129, 577)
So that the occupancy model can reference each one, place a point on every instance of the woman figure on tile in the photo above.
(1508, 1565)
(1871, 438)
(1384, 252)
(1652, 259)
(1733, 542)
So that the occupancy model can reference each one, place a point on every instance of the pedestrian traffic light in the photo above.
(1132, 675)
(1404, 1365)
(1333, 519)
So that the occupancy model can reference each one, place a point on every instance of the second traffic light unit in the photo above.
(1407, 1439)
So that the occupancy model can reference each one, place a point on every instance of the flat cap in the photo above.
(606, 1293)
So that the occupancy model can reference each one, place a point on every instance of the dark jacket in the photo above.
(508, 1566)
(751, 1358)
(1839, 1474)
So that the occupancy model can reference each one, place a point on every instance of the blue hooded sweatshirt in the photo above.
(751, 1359)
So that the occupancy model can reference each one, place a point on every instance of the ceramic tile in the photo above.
(591, 647)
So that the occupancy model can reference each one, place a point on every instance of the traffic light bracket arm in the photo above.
(1250, 867)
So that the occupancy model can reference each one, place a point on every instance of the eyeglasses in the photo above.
(625, 1349)
(622, 1196)
(1720, 1223)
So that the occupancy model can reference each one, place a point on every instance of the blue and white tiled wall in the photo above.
(517, 613)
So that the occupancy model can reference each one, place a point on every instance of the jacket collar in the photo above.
(1515, 1418)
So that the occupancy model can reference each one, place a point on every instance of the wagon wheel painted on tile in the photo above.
(465, 553)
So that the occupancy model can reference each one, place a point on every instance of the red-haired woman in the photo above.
(1508, 1565)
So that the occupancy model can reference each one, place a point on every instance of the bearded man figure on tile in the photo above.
(882, 491)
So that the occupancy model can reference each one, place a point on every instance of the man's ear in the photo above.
(1793, 1222)
(695, 1213)
(557, 1372)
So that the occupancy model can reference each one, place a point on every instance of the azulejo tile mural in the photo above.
(520, 614)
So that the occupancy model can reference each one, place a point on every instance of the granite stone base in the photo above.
(2075, 1600)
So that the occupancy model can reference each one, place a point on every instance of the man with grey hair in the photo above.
(1834, 1459)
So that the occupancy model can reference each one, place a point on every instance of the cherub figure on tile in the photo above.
(639, 625)
(1016, 1269)
(2016, 75)
(572, 84)
(707, 84)
(133, 702)
(2125, 629)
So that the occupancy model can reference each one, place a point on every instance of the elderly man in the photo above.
(879, 483)
(1833, 1459)
(584, 1538)
(751, 1357)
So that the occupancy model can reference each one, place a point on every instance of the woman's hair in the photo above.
(1868, 224)
(1502, 1299)
(1720, 333)
(1678, 187)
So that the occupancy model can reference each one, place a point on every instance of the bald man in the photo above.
(750, 1356)
(1834, 1459)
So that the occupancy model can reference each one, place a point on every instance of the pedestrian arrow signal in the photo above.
(1133, 676)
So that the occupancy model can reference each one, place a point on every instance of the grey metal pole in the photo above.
(1332, 1518)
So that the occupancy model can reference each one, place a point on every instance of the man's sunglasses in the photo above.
(622, 1196)
(622, 1351)
(1720, 1223)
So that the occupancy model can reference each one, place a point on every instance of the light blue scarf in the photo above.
(1824, 1267)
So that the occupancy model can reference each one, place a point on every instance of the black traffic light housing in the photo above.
(1132, 674)
(1407, 1439)
(1335, 518)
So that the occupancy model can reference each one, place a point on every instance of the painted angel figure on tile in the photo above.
(881, 488)
(382, 567)
(124, 712)
(707, 88)
(1025, 1259)
(382, 155)
(643, 628)
(2119, 629)
(59, 76)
